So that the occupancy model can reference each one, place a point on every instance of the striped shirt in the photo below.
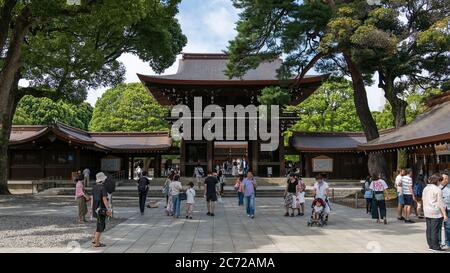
(407, 184)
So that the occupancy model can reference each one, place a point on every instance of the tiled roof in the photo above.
(209, 68)
(431, 127)
(115, 141)
(329, 142)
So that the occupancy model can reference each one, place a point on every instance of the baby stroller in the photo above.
(319, 216)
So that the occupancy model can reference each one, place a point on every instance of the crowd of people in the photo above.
(429, 200)
(213, 189)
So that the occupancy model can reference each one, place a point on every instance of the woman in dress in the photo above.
(290, 193)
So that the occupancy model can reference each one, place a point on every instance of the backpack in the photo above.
(110, 185)
(142, 184)
(165, 189)
(418, 189)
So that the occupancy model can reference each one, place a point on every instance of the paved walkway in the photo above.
(349, 230)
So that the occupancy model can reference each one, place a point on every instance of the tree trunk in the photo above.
(9, 79)
(398, 112)
(376, 162)
(6, 117)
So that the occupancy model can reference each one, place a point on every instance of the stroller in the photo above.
(319, 216)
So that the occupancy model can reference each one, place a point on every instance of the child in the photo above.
(318, 208)
(190, 193)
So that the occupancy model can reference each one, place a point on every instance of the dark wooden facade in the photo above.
(57, 151)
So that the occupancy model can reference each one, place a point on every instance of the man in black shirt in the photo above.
(211, 192)
(100, 207)
(143, 183)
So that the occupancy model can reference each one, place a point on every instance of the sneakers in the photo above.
(252, 216)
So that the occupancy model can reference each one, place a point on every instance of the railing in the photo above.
(45, 183)
(119, 176)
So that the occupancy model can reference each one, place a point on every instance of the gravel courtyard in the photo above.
(28, 221)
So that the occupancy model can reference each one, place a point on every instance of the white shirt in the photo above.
(398, 184)
(406, 184)
(432, 201)
(86, 172)
(321, 189)
(378, 185)
(175, 187)
(190, 193)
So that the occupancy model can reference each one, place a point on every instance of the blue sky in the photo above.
(208, 25)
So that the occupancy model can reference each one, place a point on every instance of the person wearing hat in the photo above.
(100, 207)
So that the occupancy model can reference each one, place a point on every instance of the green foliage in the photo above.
(73, 48)
(274, 95)
(406, 42)
(128, 107)
(329, 109)
(415, 98)
(44, 111)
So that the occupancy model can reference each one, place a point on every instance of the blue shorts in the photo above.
(401, 200)
(408, 199)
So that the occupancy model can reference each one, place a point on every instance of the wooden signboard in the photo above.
(110, 164)
(322, 164)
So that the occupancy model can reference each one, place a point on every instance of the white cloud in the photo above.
(221, 23)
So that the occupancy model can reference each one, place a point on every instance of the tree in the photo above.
(329, 109)
(311, 34)
(63, 50)
(128, 107)
(44, 111)
(414, 98)
(407, 43)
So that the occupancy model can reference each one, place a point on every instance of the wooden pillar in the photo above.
(255, 152)
(43, 174)
(158, 165)
(308, 171)
(209, 155)
(77, 159)
(303, 164)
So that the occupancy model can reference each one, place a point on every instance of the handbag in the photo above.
(182, 196)
(102, 212)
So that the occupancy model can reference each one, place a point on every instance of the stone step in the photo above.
(262, 181)
(155, 191)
